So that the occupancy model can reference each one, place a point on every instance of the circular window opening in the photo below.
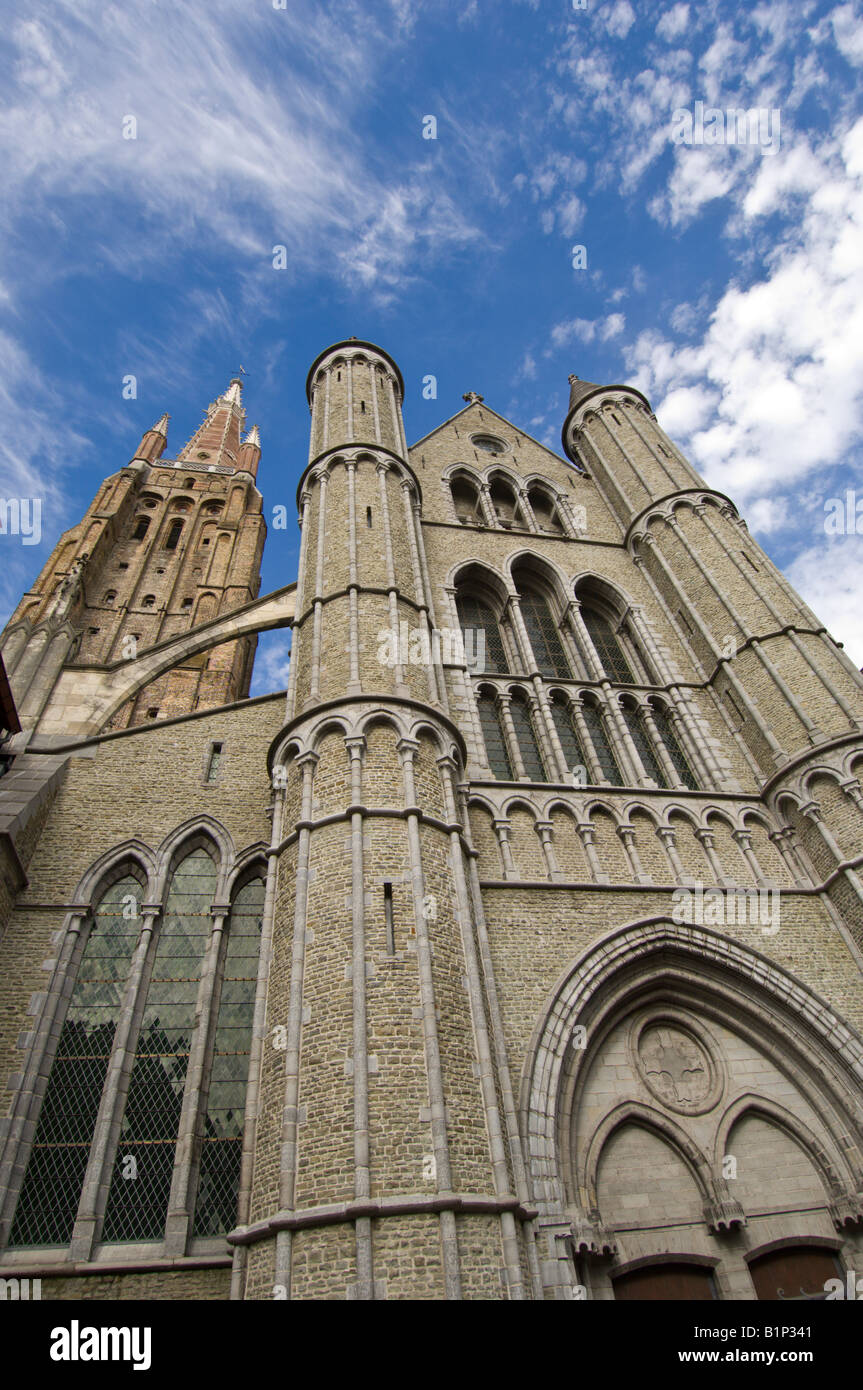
(489, 444)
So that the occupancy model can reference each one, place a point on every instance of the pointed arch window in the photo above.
(569, 739)
(138, 1206)
(477, 617)
(643, 746)
(665, 729)
(605, 756)
(188, 1017)
(545, 511)
(465, 499)
(492, 732)
(528, 744)
(222, 1144)
(548, 652)
(48, 1201)
(607, 646)
(503, 500)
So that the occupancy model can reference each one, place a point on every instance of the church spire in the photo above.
(153, 443)
(217, 439)
(250, 452)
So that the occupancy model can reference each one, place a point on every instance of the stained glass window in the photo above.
(649, 760)
(673, 748)
(222, 1147)
(48, 1203)
(495, 744)
(144, 1165)
(607, 646)
(569, 740)
(544, 637)
(527, 741)
(475, 618)
(596, 729)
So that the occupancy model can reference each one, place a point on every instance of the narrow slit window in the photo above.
(369, 517)
(213, 761)
(388, 919)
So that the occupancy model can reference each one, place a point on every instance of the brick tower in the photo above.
(166, 544)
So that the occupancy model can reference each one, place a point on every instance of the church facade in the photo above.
(513, 952)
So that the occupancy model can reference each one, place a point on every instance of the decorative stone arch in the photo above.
(252, 863)
(658, 960)
(597, 803)
(506, 474)
(398, 722)
(200, 832)
(519, 802)
(836, 1173)
(423, 725)
(479, 572)
(115, 863)
(664, 1127)
(545, 572)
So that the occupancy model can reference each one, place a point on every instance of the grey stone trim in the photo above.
(375, 1208)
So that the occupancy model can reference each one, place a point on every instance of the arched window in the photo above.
(466, 501)
(528, 745)
(666, 732)
(607, 645)
(142, 526)
(504, 503)
(222, 1145)
(643, 747)
(48, 1202)
(174, 535)
(545, 511)
(137, 1209)
(110, 597)
(478, 623)
(544, 637)
(148, 601)
(569, 740)
(495, 743)
(596, 728)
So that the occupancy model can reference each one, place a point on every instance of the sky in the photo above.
(155, 154)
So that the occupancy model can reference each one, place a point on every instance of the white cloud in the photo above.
(223, 154)
(673, 22)
(571, 214)
(272, 663)
(774, 390)
(848, 28)
(829, 576)
(619, 19)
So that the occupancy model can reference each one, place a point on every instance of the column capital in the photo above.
(407, 749)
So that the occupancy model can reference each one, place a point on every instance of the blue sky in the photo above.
(725, 281)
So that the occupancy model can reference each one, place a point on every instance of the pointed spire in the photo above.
(250, 452)
(578, 389)
(217, 438)
(153, 443)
